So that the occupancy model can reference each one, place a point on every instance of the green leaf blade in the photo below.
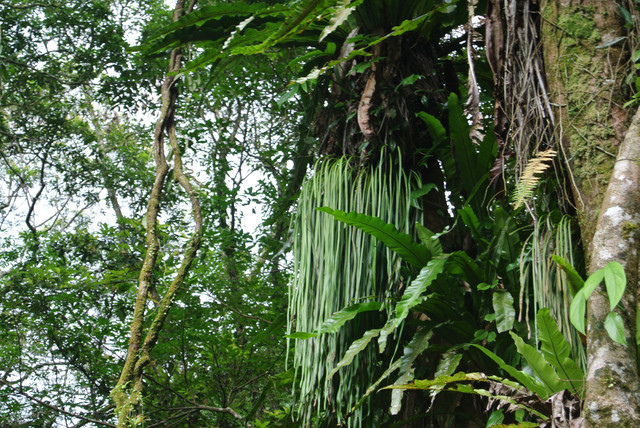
(543, 370)
(412, 297)
(505, 313)
(557, 351)
(615, 281)
(355, 348)
(401, 243)
(338, 319)
(614, 325)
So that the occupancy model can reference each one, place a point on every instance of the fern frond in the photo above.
(531, 176)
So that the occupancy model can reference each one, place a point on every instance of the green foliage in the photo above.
(333, 277)
(556, 351)
(458, 383)
(615, 281)
(505, 313)
(401, 243)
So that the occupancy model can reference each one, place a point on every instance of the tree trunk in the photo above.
(585, 63)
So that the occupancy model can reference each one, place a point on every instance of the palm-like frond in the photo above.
(531, 176)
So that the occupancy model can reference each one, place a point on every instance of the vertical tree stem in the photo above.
(127, 392)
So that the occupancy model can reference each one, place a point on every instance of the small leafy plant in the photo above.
(615, 284)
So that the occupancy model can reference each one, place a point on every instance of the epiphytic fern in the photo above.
(531, 176)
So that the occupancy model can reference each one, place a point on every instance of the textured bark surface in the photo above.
(612, 397)
(585, 80)
(585, 58)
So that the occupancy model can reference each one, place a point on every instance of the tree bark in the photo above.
(612, 372)
(585, 77)
(585, 68)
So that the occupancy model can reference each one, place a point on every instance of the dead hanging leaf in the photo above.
(531, 176)
(565, 411)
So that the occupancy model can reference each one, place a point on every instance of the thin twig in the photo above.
(54, 408)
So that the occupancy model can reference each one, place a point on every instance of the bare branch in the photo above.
(55, 408)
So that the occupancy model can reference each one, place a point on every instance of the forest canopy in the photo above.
(319, 213)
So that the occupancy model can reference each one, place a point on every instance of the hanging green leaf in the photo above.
(343, 10)
(503, 307)
(429, 240)
(557, 351)
(467, 168)
(392, 367)
(355, 348)
(449, 363)
(578, 307)
(423, 190)
(614, 325)
(337, 320)
(412, 297)
(402, 243)
(541, 368)
(418, 344)
(615, 281)
(436, 131)
(575, 280)
(523, 378)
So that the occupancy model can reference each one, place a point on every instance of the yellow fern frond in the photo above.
(531, 176)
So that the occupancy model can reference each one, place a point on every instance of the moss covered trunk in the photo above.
(585, 54)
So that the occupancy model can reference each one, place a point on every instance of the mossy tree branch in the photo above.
(127, 392)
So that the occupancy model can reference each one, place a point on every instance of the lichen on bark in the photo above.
(585, 82)
(585, 64)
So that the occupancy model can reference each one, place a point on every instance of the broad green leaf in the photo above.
(524, 379)
(300, 335)
(423, 190)
(614, 325)
(429, 240)
(505, 313)
(409, 80)
(468, 389)
(592, 282)
(337, 320)
(449, 363)
(625, 13)
(354, 349)
(412, 296)
(402, 243)
(496, 417)
(465, 267)
(578, 307)
(541, 368)
(264, 335)
(578, 310)
(557, 351)
(575, 280)
(292, 91)
(470, 220)
(218, 11)
(418, 344)
(615, 281)
(342, 12)
(434, 127)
